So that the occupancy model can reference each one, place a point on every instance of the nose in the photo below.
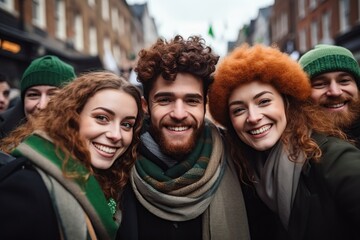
(2, 97)
(334, 89)
(43, 101)
(179, 111)
(254, 116)
(114, 133)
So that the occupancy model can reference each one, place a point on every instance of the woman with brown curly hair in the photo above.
(288, 153)
(76, 157)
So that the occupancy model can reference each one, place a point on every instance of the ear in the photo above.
(144, 105)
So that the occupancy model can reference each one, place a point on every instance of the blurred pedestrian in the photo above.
(4, 93)
(40, 81)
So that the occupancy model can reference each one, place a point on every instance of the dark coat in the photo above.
(327, 202)
(28, 204)
(138, 223)
(12, 118)
(354, 132)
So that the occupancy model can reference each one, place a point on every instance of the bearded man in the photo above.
(335, 80)
(182, 185)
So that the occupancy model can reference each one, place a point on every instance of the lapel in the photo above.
(306, 203)
(301, 209)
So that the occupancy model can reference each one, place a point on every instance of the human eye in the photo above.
(318, 84)
(32, 95)
(6, 93)
(163, 100)
(264, 101)
(193, 101)
(52, 93)
(345, 80)
(236, 111)
(101, 118)
(127, 125)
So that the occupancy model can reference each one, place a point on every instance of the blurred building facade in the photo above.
(296, 26)
(88, 34)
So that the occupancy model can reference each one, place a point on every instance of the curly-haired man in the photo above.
(183, 186)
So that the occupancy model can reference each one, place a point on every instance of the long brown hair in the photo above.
(60, 120)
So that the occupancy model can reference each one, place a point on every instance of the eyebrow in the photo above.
(170, 94)
(113, 113)
(255, 97)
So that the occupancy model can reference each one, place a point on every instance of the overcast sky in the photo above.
(189, 17)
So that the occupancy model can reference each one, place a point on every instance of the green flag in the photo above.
(211, 32)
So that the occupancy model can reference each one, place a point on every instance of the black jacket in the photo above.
(327, 202)
(29, 213)
(12, 118)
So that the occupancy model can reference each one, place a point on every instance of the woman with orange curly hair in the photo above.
(75, 158)
(302, 177)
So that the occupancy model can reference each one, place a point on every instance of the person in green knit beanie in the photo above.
(335, 80)
(40, 81)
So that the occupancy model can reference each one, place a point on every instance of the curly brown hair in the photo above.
(60, 120)
(167, 58)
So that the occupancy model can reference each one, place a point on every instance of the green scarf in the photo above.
(188, 187)
(182, 174)
(89, 194)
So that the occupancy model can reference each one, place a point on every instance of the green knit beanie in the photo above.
(329, 58)
(48, 70)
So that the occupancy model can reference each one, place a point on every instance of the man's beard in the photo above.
(176, 150)
(344, 119)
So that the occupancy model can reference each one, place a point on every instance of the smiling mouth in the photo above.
(178, 129)
(105, 149)
(260, 130)
(335, 105)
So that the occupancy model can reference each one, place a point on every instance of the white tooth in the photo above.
(337, 105)
(105, 148)
(260, 130)
(177, 129)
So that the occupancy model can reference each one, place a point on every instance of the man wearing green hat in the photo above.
(41, 80)
(335, 80)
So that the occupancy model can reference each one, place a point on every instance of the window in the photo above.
(312, 4)
(114, 19)
(314, 33)
(91, 3)
(60, 19)
(105, 9)
(326, 36)
(79, 33)
(93, 41)
(302, 40)
(38, 13)
(7, 5)
(117, 53)
(344, 15)
(122, 24)
(301, 8)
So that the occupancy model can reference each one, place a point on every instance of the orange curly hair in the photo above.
(60, 120)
